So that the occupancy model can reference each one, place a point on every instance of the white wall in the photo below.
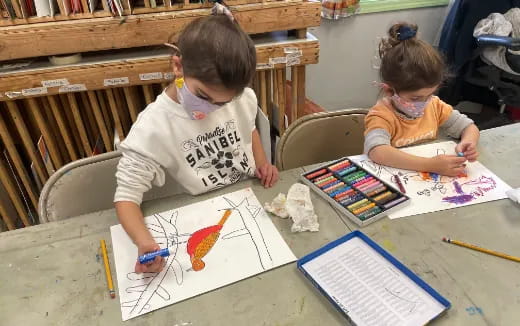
(344, 76)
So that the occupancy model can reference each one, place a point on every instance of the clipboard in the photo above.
(396, 291)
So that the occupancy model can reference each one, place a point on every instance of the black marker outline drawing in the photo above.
(165, 229)
(154, 286)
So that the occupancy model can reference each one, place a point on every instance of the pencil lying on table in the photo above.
(487, 251)
(107, 270)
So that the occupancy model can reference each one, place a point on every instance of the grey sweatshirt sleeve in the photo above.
(456, 124)
(375, 138)
(135, 175)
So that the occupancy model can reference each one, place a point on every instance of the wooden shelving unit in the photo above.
(52, 115)
(96, 34)
(140, 66)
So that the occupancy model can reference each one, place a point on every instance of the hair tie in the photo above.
(405, 33)
(173, 46)
(219, 9)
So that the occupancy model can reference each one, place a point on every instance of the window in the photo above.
(369, 6)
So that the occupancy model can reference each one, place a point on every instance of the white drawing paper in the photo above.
(430, 192)
(247, 244)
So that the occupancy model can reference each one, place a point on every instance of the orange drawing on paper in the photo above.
(201, 242)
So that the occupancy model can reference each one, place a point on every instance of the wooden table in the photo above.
(52, 276)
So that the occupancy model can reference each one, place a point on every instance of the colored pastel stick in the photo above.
(339, 191)
(334, 189)
(363, 208)
(332, 186)
(356, 180)
(377, 191)
(368, 214)
(352, 197)
(387, 199)
(324, 180)
(353, 175)
(327, 183)
(399, 183)
(327, 187)
(371, 187)
(369, 184)
(339, 166)
(383, 195)
(394, 202)
(350, 200)
(336, 165)
(316, 174)
(366, 179)
(323, 177)
(341, 195)
(353, 180)
(357, 204)
(346, 171)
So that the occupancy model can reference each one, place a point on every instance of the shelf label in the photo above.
(116, 81)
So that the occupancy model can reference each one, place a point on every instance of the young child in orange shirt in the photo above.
(411, 72)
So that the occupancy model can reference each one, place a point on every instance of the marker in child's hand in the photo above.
(463, 174)
(150, 256)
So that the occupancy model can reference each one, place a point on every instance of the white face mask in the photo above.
(196, 107)
(412, 109)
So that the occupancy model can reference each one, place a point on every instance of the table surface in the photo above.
(52, 276)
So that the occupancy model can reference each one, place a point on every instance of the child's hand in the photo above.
(268, 174)
(152, 267)
(448, 165)
(469, 149)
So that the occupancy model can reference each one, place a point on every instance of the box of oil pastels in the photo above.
(357, 193)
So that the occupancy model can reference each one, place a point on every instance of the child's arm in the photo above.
(135, 174)
(449, 165)
(265, 171)
(458, 125)
(468, 143)
(131, 217)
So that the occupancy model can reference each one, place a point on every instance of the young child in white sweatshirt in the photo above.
(201, 129)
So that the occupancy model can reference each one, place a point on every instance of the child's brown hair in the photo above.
(216, 51)
(408, 63)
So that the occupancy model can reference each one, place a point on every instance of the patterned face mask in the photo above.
(196, 107)
(412, 109)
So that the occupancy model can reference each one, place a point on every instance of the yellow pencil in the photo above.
(107, 270)
(487, 251)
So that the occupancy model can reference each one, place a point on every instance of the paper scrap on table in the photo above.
(514, 194)
(298, 206)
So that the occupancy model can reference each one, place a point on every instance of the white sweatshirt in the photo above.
(200, 155)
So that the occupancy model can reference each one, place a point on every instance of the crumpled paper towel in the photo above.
(277, 207)
(514, 194)
(298, 206)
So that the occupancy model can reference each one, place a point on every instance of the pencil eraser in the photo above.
(112, 294)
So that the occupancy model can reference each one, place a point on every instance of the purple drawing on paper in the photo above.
(483, 184)
(460, 199)
(457, 187)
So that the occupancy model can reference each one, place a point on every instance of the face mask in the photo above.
(411, 109)
(196, 107)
